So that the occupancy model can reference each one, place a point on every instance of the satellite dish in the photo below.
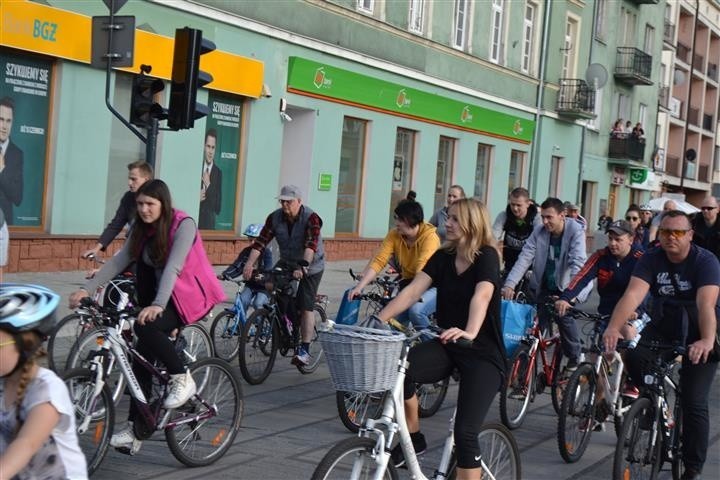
(596, 76)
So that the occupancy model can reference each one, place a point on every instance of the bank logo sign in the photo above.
(320, 79)
(466, 115)
(402, 100)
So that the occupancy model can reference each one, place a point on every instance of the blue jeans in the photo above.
(419, 314)
(258, 298)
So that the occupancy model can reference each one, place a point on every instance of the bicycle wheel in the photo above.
(225, 332)
(201, 431)
(519, 388)
(500, 452)
(197, 345)
(316, 351)
(352, 458)
(636, 456)
(431, 396)
(94, 416)
(80, 356)
(258, 346)
(62, 339)
(576, 418)
(354, 408)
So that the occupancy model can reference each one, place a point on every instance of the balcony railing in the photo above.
(699, 62)
(664, 97)
(668, 32)
(633, 66)
(693, 116)
(683, 52)
(672, 165)
(575, 98)
(712, 71)
(708, 123)
(627, 146)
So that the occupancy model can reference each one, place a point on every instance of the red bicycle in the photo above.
(524, 381)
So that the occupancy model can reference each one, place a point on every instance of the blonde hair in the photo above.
(475, 231)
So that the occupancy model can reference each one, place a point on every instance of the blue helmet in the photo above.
(25, 308)
(253, 230)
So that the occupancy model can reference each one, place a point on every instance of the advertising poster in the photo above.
(24, 118)
(220, 163)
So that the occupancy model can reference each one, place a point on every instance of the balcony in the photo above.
(708, 123)
(664, 97)
(633, 66)
(712, 71)
(683, 53)
(668, 34)
(575, 99)
(627, 147)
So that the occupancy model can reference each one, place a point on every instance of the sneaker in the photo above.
(125, 441)
(182, 388)
(630, 391)
(419, 444)
(301, 359)
(571, 365)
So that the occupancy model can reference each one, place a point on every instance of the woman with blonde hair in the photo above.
(466, 273)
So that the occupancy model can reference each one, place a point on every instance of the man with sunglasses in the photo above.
(706, 226)
(296, 228)
(684, 281)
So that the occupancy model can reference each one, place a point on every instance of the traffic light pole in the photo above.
(151, 142)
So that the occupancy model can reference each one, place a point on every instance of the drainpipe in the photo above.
(532, 181)
(687, 104)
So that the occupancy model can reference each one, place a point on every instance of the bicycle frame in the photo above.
(538, 342)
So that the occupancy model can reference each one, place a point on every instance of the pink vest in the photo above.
(197, 289)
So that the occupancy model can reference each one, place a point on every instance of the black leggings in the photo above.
(479, 382)
(153, 343)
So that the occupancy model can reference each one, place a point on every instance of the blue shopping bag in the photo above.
(516, 319)
(348, 312)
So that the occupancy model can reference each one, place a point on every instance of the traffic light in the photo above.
(142, 105)
(187, 78)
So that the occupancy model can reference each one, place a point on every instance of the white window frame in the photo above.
(593, 123)
(497, 31)
(570, 46)
(366, 6)
(416, 16)
(628, 24)
(484, 192)
(649, 38)
(600, 20)
(462, 8)
(556, 174)
(642, 114)
(527, 64)
(623, 108)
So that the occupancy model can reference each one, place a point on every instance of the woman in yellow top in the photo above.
(411, 243)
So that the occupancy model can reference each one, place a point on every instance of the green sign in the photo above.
(638, 175)
(324, 182)
(319, 79)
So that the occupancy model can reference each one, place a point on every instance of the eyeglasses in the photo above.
(5, 344)
(666, 232)
(707, 209)
(286, 201)
(632, 219)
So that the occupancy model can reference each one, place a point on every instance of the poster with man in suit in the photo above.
(11, 162)
(210, 184)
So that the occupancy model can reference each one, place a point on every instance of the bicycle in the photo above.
(198, 433)
(368, 454)
(650, 433)
(523, 382)
(275, 327)
(192, 343)
(593, 391)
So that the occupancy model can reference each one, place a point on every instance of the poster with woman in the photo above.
(24, 119)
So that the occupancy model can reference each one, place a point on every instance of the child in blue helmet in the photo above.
(254, 293)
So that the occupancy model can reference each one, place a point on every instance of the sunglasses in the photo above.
(667, 232)
(632, 219)
(707, 209)
(5, 344)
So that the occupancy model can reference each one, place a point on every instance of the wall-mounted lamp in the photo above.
(265, 92)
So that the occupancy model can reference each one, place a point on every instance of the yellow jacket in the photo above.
(410, 259)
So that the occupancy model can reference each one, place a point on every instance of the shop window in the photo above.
(516, 176)
(443, 175)
(402, 168)
(352, 153)
(482, 172)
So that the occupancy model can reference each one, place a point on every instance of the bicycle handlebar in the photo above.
(431, 331)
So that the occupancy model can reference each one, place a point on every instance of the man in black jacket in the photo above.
(210, 184)
(11, 162)
(514, 225)
(707, 226)
(138, 173)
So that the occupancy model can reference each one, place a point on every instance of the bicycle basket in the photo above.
(362, 359)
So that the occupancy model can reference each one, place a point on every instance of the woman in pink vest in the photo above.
(171, 266)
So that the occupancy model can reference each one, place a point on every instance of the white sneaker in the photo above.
(125, 441)
(182, 388)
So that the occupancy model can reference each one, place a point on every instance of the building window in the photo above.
(642, 113)
(593, 122)
(443, 175)
(402, 168)
(516, 176)
(570, 46)
(528, 53)
(417, 16)
(366, 6)
(352, 154)
(555, 174)
(600, 20)
(623, 108)
(496, 32)
(589, 195)
(649, 39)
(628, 20)
(460, 26)
(482, 172)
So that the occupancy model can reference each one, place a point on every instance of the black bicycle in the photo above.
(276, 328)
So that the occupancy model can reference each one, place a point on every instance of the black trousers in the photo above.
(479, 382)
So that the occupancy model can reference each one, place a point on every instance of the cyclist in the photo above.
(456, 192)
(556, 252)
(411, 243)
(514, 225)
(253, 292)
(706, 226)
(646, 214)
(37, 418)
(175, 286)
(296, 227)
(668, 206)
(684, 281)
(573, 211)
(466, 273)
(641, 235)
